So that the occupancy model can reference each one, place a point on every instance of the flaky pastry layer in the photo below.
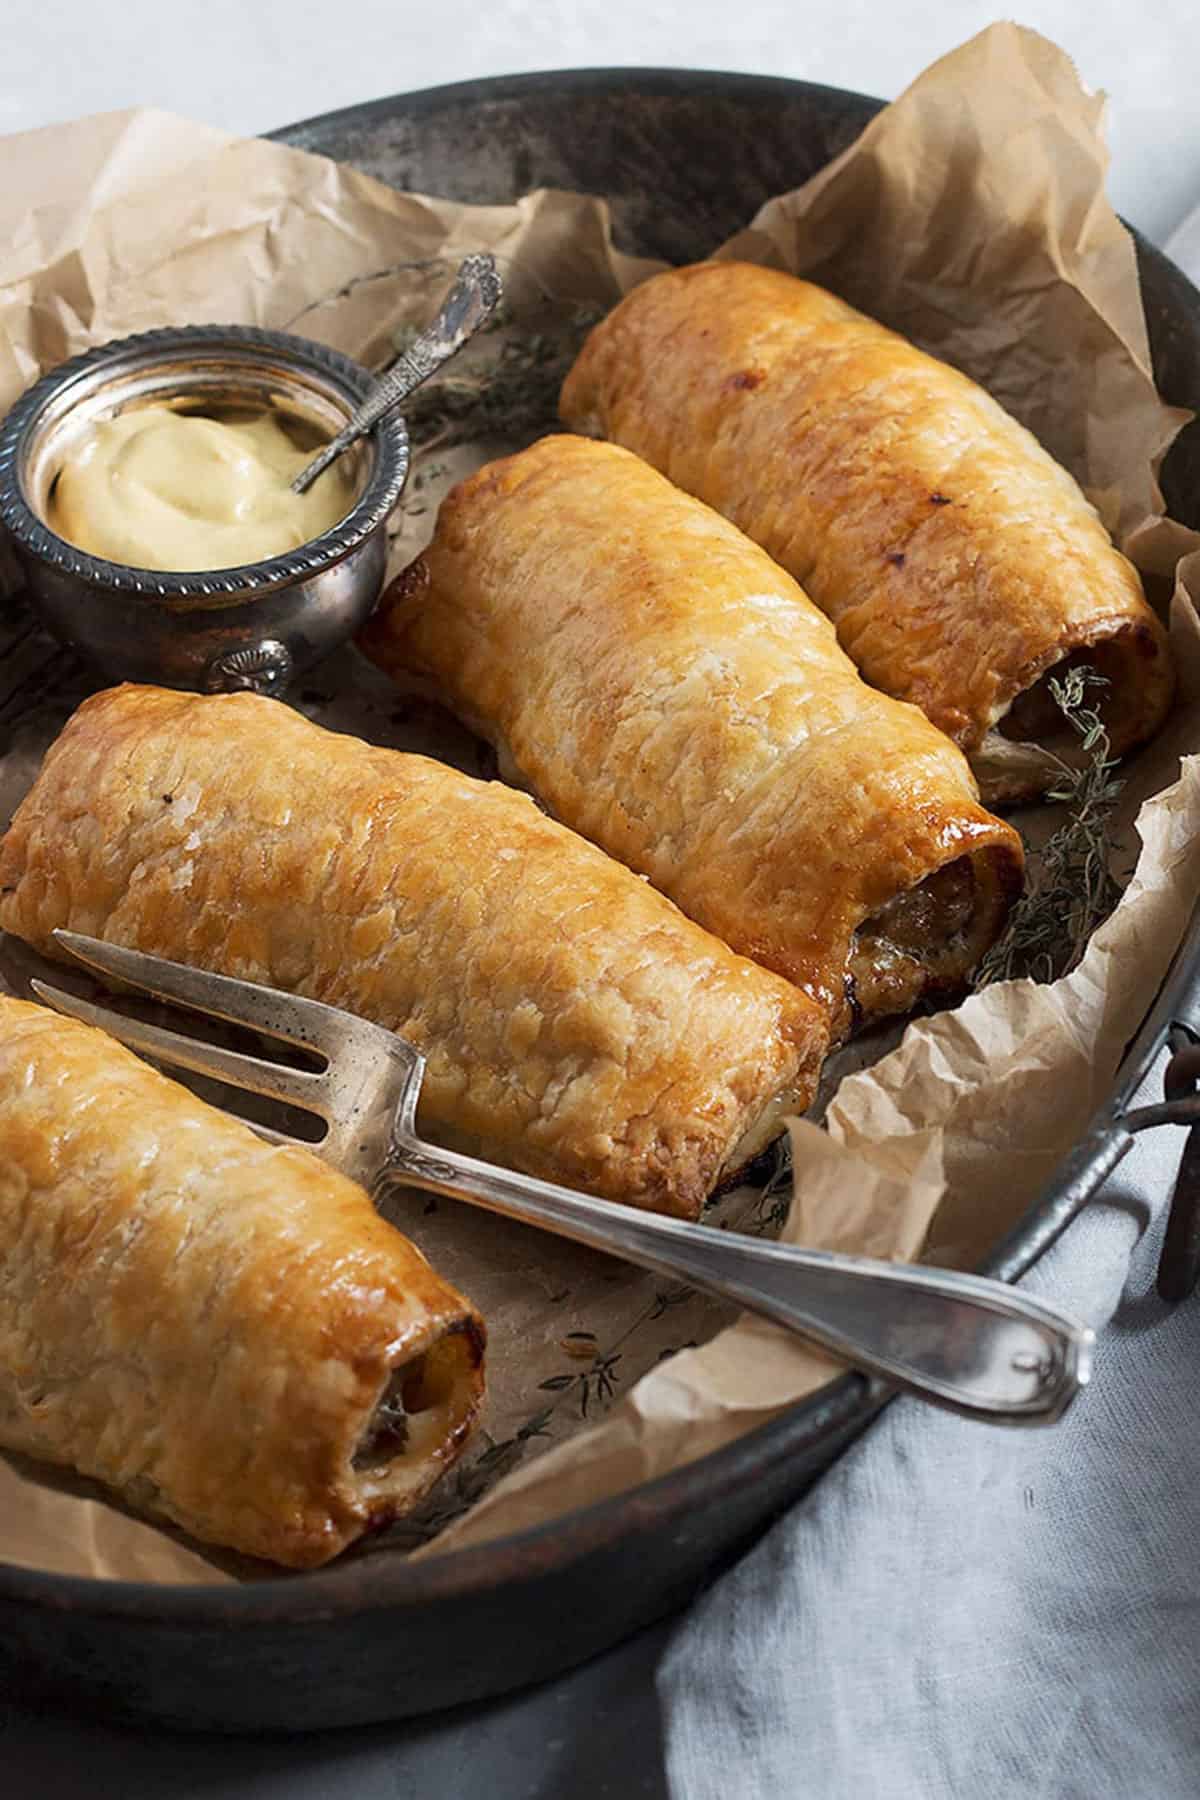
(958, 560)
(225, 1333)
(671, 692)
(576, 1025)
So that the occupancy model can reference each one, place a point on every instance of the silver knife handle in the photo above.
(975, 1346)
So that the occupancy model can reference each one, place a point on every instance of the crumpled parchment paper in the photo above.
(971, 215)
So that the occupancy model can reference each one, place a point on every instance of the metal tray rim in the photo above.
(380, 1584)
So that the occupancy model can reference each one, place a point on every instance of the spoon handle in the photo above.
(470, 302)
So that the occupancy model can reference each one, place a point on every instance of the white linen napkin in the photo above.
(969, 1612)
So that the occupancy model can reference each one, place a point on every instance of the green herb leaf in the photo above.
(1070, 888)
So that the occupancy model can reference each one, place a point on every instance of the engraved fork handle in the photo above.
(975, 1346)
(470, 302)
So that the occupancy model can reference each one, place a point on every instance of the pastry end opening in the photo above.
(1022, 755)
(428, 1400)
(927, 939)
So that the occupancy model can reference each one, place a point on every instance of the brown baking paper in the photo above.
(970, 215)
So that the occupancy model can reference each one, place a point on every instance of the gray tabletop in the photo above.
(591, 1735)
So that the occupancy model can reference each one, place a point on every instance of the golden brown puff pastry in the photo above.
(669, 691)
(958, 561)
(575, 1023)
(225, 1333)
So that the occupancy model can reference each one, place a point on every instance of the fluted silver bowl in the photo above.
(251, 626)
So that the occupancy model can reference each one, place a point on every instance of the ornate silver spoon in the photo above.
(469, 304)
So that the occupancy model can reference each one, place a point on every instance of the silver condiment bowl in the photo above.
(251, 626)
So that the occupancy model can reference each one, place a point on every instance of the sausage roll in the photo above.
(961, 565)
(671, 693)
(225, 1333)
(576, 1025)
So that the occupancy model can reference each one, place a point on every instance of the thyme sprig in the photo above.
(593, 1386)
(774, 1198)
(669, 1298)
(505, 384)
(1070, 888)
(466, 1485)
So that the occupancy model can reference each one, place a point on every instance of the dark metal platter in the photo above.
(686, 158)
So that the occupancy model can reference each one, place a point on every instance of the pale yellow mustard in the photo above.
(180, 491)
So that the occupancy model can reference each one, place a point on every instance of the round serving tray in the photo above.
(686, 158)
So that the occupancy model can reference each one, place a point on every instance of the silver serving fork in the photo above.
(976, 1346)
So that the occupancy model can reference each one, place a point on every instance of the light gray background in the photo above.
(250, 65)
(254, 64)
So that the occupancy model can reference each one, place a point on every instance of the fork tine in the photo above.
(299, 1086)
(308, 1023)
(270, 1136)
